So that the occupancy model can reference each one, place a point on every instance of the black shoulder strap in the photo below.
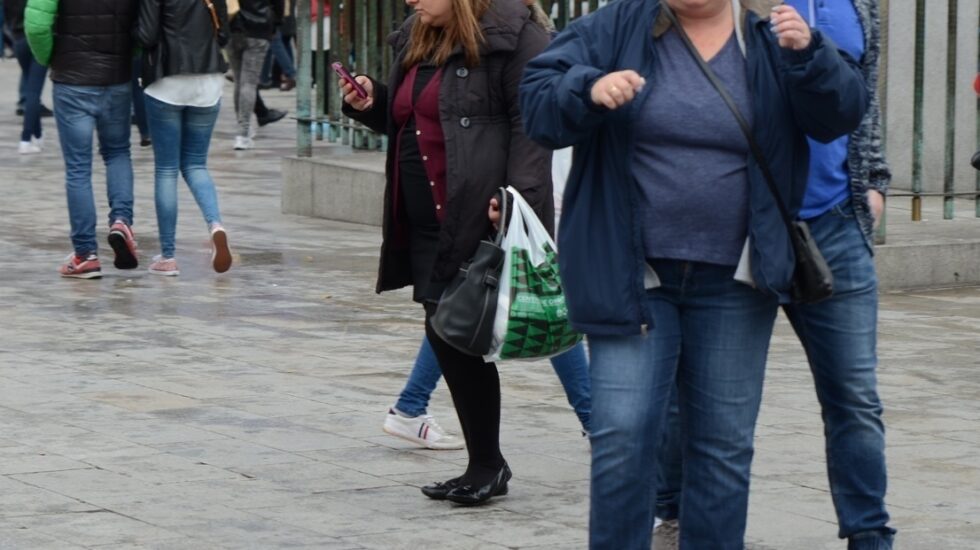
(723, 92)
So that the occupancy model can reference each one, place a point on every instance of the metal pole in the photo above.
(977, 198)
(948, 173)
(304, 141)
(881, 234)
(917, 131)
(321, 70)
(340, 52)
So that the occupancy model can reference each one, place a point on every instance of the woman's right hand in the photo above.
(351, 98)
(617, 89)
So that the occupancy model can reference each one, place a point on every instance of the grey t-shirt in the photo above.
(690, 157)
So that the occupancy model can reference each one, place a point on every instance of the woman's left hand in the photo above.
(790, 28)
(494, 213)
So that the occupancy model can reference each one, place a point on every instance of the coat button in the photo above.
(438, 207)
(464, 122)
(424, 157)
(432, 184)
(418, 132)
(462, 72)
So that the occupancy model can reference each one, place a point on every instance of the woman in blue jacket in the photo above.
(671, 241)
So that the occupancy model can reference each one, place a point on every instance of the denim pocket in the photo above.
(844, 209)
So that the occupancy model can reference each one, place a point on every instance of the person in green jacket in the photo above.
(90, 65)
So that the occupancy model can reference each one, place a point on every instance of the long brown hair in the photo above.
(436, 44)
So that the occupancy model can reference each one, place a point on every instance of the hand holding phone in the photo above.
(345, 76)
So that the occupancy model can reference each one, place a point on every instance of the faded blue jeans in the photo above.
(840, 339)
(80, 110)
(31, 86)
(572, 368)
(722, 329)
(181, 137)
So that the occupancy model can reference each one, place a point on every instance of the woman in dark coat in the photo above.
(450, 110)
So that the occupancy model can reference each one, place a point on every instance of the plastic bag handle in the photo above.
(501, 196)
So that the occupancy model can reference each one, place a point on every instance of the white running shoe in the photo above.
(242, 143)
(28, 148)
(422, 430)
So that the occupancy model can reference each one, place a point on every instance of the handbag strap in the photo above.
(502, 195)
(727, 97)
(215, 22)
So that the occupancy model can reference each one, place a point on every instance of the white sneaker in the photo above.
(28, 148)
(242, 143)
(422, 430)
(38, 142)
(666, 535)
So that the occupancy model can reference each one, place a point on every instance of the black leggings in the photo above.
(475, 388)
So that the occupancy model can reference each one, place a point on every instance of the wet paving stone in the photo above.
(244, 410)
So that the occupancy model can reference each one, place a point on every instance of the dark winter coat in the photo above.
(13, 17)
(258, 18)
(88, 42)
(815, 92)
(485, 143)
(178, 37)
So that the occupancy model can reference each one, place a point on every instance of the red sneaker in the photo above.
(81, 268)
(220, 251)
(124, 245)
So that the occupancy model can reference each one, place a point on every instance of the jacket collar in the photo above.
(501, 27)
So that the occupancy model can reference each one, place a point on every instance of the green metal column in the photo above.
(321, 70)
(881, 235)
(949, 168)
(917, 124)
(304, 141)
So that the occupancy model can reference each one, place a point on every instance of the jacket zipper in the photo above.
(636, 231)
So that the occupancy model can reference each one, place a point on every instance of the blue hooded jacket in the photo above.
(817, 92)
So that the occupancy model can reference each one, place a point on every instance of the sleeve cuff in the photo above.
(804, 56)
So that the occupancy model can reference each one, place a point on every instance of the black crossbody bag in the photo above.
(813, 280)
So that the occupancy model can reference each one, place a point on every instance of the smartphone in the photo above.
(343, 73)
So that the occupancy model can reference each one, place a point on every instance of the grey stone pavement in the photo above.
(244, 410)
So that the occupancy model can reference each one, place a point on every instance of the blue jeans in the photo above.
(181, 137)
(839, 336)
(572, 368)
(722, 329)
(280, 51)
(80, 110)
(840, 339)
(139, 101)
(31, 86)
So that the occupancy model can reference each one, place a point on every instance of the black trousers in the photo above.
(475, 387)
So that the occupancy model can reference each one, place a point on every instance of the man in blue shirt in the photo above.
(843, 202)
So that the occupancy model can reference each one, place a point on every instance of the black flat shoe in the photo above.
(439, 489)
(468, 495)
(274, 115)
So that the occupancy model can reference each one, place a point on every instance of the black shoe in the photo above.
(45, 112)
(273, 115)
(266, 85)
(20, 111)
(439, 489)
(145, 142)
(468, 495)
(976, 160)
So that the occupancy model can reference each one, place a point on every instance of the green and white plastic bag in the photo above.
(532, 318)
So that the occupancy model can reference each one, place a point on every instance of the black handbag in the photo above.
(813, 280)
(465, 314)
